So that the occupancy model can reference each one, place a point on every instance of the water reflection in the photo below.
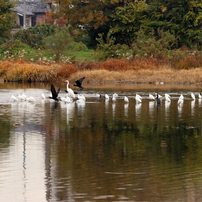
(101, 150)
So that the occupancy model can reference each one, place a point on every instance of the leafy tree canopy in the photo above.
(5, 18)
(124, 18)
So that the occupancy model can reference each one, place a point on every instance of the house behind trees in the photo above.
(34, 10)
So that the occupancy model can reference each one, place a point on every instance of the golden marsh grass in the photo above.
(109, 71)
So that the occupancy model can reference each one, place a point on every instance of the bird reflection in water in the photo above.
(126, 109)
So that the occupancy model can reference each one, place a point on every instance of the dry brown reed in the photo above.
(164, 74)
(21, 71)
(112, 70)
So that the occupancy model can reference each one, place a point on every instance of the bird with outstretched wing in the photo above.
(78, 83)
(54, 93)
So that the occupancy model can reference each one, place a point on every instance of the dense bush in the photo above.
(25, 36)
(14, 49)
(34, 36)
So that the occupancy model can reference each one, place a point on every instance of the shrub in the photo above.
(25, 36)
(33, 36)
(115, 65)
(108, 49)
(13, 49)
(188, 63)
(58, 42)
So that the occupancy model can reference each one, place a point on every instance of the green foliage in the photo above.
(123, 19)
(43, 30)
(107, 48)
(58, 42)
(34, 36)
(25, 36)
(128, 19)
(14, 49)
(5, 18)
(149, 45)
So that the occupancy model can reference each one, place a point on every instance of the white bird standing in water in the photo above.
(43, 96)
(81, 97)
(181, 99)
(193, 96)
(22, 97)
(199, 96)
(114, 96)
(138, 98)
(66, 99)
(31, 99)
(70, 91)
(167, 97)
(15, 99)
(106, 96)
(126, 99)
(151, 97)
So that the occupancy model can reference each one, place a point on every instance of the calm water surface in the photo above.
(101, 150)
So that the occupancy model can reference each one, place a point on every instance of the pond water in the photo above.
(101, 150)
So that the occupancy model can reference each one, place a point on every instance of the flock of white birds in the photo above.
(80, 98)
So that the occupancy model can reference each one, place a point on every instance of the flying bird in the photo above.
(54, 93)
(78, 83)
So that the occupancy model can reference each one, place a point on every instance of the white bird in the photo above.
(24, 96)
(81, 97)
(181, 99)
(193, 96)
(80, 101)
(70, 91)
(43, 96)
(126, 99)
(199, 96)
(138, 98)
(106, 96)
(167, 97)
(21, 97)
(66, 99)
(113, 99)
(14, 98)
(31, 99)
(114, 96)
(151, 97)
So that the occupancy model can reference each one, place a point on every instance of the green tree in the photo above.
(183, 18)
(128, 20)
(34, 36)
(123, 19)
(5, 18)
(58, 42)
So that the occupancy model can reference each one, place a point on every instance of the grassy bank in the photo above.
(112, 70)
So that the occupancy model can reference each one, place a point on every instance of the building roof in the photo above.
(32, 8)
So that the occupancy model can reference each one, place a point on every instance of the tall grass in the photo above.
(136, 70)
(164, 74)
(22, 71)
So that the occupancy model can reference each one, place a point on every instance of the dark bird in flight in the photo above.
(78, 83)
(54, 93)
